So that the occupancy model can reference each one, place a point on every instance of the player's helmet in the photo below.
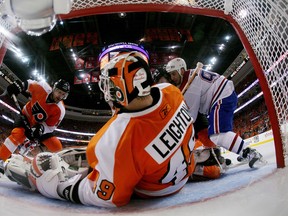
(159, 73)
(63, 86)
(124, 78)
(176, 64)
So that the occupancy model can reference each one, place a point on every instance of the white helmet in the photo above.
(176, 64)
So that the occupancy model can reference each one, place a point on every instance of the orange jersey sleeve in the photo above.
(147, 152)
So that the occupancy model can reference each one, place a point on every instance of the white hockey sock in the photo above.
(230, 141)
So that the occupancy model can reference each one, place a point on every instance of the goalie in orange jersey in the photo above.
(43, 112)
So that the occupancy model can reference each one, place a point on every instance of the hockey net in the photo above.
(262, 27)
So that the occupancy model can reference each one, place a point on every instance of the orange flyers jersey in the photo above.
(148, 152)
(38, 111)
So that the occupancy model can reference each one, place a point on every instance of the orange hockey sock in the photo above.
(204, 138)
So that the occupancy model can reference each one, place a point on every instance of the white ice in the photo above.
(240, 191)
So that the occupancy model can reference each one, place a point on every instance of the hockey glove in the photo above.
(35, 132)
(52, 177)
(48, 170)
(38, 131)
(29, 133)
(15, 88)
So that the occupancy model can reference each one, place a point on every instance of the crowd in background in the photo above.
(254, 120)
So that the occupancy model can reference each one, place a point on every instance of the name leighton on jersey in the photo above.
(171, 136)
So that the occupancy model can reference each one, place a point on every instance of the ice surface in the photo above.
(240, 191)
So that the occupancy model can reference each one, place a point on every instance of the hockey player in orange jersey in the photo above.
(44, 111)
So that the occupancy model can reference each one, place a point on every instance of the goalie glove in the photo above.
(45, 161)
(48, 170)
(50, 185)
(54, 178)
(48, 182)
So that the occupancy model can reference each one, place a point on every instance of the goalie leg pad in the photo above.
(69, 189)
(208, 156)
(17, 169)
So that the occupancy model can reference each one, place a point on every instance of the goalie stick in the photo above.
(192, 77)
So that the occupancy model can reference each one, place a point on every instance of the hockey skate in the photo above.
(252, 157)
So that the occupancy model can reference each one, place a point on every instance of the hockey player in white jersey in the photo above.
(213, 95)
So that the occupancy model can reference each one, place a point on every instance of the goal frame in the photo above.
(211, 13)
(219, 9)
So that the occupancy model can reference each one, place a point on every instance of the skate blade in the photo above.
(256, 163)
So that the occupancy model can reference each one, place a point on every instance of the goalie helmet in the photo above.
(124, 78)
(175, 65)
(63, 86)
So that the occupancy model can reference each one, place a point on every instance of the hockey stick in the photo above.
(192, 77)
(23, 118)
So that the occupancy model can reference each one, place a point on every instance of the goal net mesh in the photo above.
(264, 24)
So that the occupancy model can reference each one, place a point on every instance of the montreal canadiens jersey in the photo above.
(38, 111)
(148, 152)
(206, 89)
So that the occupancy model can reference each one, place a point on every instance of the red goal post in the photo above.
(262, 26)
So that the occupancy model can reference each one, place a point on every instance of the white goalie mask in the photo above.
(124, 78)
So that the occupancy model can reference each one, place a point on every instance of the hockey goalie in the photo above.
(48, 172)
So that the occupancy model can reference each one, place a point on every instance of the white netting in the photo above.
(264, 23)
(4, 26)
(213, 4)
(266, 28)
